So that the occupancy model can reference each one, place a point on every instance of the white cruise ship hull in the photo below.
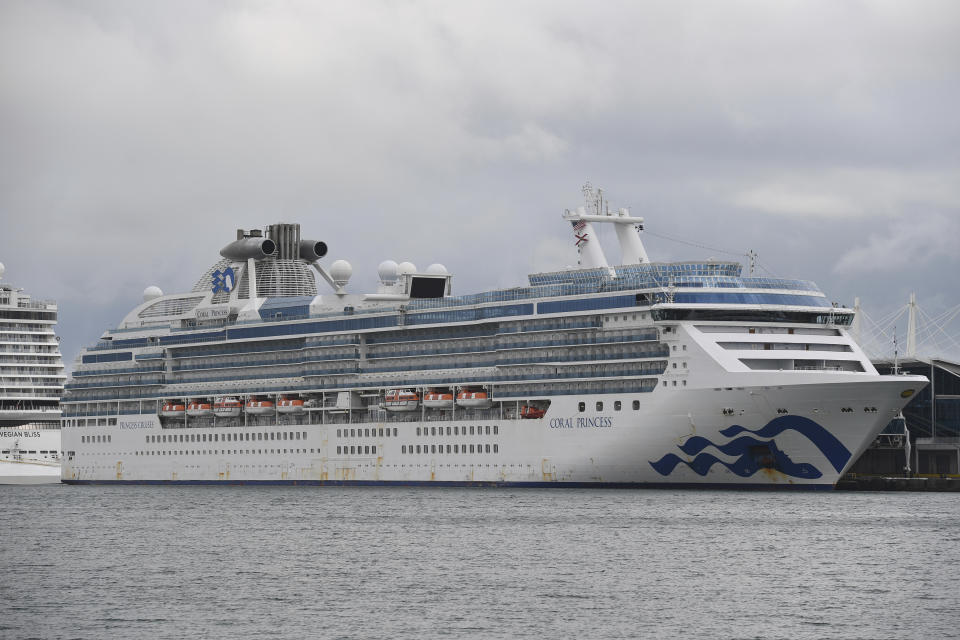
(29, 456)
(29, 472)
(670, 439)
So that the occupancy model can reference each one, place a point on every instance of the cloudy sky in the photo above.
(136, 137)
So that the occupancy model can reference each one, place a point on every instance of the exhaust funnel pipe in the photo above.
(256, 248)
(312, 250)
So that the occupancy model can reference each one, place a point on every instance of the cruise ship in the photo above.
(31, 382)
(637, 374)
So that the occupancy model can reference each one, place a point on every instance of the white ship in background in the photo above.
(637, 374)
(31, 382)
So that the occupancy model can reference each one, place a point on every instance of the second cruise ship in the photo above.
(31, 381)
(636, 374)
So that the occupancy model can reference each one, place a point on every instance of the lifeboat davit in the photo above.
(401, 400)
(228, 407)
(172, 410)
(438, 399)
(290, 405)
(526, 411)
(258, 407)
(474, 399)
(198, 408)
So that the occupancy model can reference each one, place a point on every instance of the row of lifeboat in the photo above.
(231, 407)
(409, 400)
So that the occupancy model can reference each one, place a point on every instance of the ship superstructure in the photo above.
(31, 382)
(634, 374)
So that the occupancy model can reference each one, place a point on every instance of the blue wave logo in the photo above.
(223, 281)
(754, 453)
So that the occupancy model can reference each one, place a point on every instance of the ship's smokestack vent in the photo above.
(287, 238)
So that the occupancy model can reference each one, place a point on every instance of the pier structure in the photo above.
(927, 440)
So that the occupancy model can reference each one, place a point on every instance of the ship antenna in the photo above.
(752, 255)
(896, 363)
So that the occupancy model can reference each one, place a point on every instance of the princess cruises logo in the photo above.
(223, 281)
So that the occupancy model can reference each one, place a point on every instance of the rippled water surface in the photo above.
(227, 562)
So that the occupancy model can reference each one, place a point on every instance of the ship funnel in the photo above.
(312, 250)
(586, 240)
(287, 237)
(246, 248)
(628, 234)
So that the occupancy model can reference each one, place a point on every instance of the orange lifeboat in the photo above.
(227, 407)
(198, 408)
(529, 412)
(474, 399)
(290, 405)
(438, 399)
(401, 400)
(172, 410)
(259, 407)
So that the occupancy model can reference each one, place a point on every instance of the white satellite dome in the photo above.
(3, 269)
(406, 267)
(437, 269)
(388, 271)
(341, 271)
(151, 293)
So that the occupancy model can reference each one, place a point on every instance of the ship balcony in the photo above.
(115, 383)
(109, 372)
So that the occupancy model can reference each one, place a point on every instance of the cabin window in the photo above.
(418, 430)
(433, 448)
(433, 431)
(599, 406)
(496, 429)
(403, 448)
(471, 448)
(456, 448)
(488, 448)
(394, 432)
(616, 405)
(488, 429)
(448, 430)
(448, 448)
(636, 405)
(418, 448)
(338, 450)
(471, 430)
(582, 406)
(496, 449)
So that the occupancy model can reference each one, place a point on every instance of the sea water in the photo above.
(360, 562)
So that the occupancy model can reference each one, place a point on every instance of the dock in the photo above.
(927, 482)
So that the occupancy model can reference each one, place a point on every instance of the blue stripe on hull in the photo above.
(464, 483)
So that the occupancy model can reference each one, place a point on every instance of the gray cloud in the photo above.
(136, 137)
